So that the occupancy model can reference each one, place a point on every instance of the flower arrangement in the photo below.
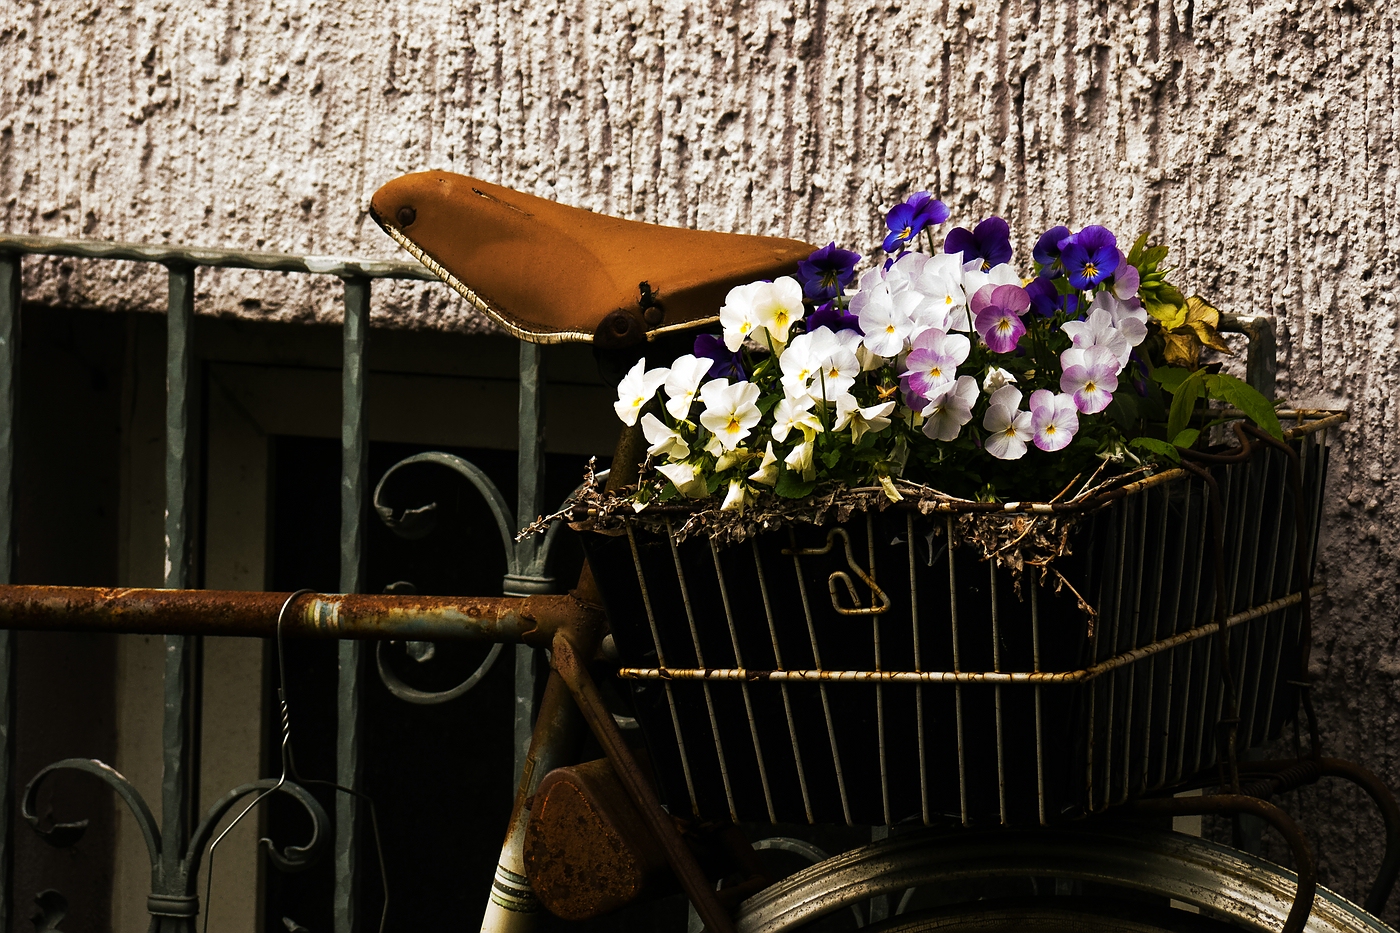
(945, 368)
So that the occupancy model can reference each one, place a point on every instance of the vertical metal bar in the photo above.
(918, 663)
(957, 687)
(744, 687)
(879, 688)
(529, 503)
(180, 771)
(661, 663)
(1039, 724)
(783, 687)
(9, 359)
(821, 687)
(996, 666)
(354, 467)
(705, 685)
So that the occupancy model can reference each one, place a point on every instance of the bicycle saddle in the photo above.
(549, 273)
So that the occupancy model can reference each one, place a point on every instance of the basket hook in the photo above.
(879, 602)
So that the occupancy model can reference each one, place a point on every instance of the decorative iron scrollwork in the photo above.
(173, 902)
(526, 561)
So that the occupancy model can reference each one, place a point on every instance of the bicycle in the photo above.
(624, 284)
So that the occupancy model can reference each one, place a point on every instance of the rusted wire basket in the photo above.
(869, 674)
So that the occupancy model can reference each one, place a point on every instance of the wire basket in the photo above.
(866, 673)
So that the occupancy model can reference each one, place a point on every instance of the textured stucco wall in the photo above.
(1256, 136)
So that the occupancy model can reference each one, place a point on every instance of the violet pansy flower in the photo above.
(1090, 377)
(1046, 299)
(906, 221)
(1089, 256)
(989, 241)
(1054, 419)
(998, 310)
(1047, 251)
(827, 272)
(932, 362)
(834, 318)
(727, 364)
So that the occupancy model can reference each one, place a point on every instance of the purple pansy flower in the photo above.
(826, 272)
(1090, 256)
(829, 315)
(990, 242)
(1054, 419)
(998, 310)
(1046, 299)
(1090, 377)
(727, 365)
(1047, 251)
(1126, 279)
(906, 221)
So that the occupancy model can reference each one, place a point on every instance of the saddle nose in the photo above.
(550, 273)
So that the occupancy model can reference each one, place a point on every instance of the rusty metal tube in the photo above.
(531, 619)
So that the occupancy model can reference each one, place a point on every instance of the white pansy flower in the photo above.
(636, 389)
(683, 382)
(996, 378)
(767, 472)
(1008, 428)
(872, 419)
(777, 305)
(800, 459)
(949, 408)
(885, 322)
(794, 412)
(686, 478)
(664, 441)
(736, 498)
(1129, 321)
(730, 410)
(801, 362)
(1098, 331)
(739, 314)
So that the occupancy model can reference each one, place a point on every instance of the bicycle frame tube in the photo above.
(533, 620)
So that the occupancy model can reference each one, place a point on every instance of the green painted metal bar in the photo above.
(528, 577)
(9, 358)
(180, 735)
(354, 480)
(343, 266)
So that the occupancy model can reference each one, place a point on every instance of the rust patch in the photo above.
(587, 850)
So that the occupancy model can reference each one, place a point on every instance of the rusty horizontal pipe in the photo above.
(966, 677)
(533, 619)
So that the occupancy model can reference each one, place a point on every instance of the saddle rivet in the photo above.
(653, 315)
(406, 216)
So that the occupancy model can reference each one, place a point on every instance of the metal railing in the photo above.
(179, 791)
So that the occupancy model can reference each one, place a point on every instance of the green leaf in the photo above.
(1169, 378)
(1160, 448)
(791, 485)
(830, 458)
(1124, 408)
(766, 403)
(713, 482)
(1186, 438)
(1184, 403)
(1248, 399)
(668, 492)
(1135, 254)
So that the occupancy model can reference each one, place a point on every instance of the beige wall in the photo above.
(1258, 137)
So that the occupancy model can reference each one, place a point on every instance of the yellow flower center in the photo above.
(733, 427)
(1089, 386)
(1091, 271)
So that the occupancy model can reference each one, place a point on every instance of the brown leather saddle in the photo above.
(549, 273)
